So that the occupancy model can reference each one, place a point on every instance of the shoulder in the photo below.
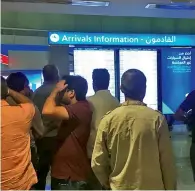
(29, 110)
(154, 114)
(79, 109)
(191, 94)
(159, 114)
(38, 89)
(91, 98)
(44, 88)
(27, 106)
(110, 115)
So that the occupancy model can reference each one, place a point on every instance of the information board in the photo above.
(86, 60)
(77, 38)
(178, 73)
(145, 61)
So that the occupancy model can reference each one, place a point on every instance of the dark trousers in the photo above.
(59, 184)
(192, 158)
(93, 183)
(34, 158)
(45, 151)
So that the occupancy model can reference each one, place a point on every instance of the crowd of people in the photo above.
(88, 143)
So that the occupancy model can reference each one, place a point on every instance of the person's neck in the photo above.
(101, 90)
(73, 101)
(129, 99)
(50, 81)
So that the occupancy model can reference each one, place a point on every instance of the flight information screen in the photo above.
(145, 61)
(88, 59)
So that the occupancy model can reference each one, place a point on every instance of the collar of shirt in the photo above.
(49, 83)
(133, 102)
(4, 103)
(102, 92)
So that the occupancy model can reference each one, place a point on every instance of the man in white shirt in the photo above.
(101, 103)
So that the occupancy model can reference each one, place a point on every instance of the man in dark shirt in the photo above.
(187, 105)
(45, 146)
(70, 167)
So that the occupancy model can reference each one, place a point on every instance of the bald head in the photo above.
(50, 73)
(133, 84)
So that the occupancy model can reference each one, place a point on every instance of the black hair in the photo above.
(4, 88)
(78, 84)
(50, 73)
(101, 79)
(17, 81)
(133, 84)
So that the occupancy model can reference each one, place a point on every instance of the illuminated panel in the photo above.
(86, 60)
(146, 61)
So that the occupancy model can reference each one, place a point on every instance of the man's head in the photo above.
(101, 79)
(133, 84)
(19, 83)
(4, 88)
(50, 73)
(76, 90)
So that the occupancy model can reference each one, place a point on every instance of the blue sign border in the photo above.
(109, 39)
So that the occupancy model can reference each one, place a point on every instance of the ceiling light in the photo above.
(173, 6)
(181, 1)
(90, 3)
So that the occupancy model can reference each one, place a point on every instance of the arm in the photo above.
(185, 107)
(18, 97)
(166, 157)
(51, 109)
(100, 157)
(179, 115)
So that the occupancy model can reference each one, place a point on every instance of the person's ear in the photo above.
(121, 88)
(71, 94)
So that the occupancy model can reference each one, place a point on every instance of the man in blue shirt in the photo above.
(187, 105)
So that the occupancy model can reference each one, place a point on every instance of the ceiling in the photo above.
(134, 8)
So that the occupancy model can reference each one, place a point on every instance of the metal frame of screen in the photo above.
(117, 67)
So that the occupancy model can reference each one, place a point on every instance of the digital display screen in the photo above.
(35, 79)
(88, 59)
(178, 71)
(145, 61)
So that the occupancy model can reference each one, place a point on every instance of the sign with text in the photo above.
(74, 38)
(177, 77)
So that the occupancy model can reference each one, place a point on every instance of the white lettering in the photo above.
(65, 38)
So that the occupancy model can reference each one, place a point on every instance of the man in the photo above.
(182, 115)
(101, 103)
(20, 83)
(17, 172)
(133, 149)
(45, 146)
(70, 166)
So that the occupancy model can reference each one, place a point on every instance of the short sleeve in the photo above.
(79, 111)
(73, 110)
(188, 102)
(29, 110)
